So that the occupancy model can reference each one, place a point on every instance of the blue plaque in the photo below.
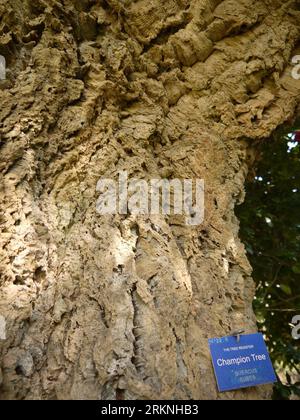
(241, 363)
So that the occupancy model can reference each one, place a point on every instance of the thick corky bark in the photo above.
(122, 306)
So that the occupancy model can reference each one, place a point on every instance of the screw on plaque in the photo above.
(238, 334)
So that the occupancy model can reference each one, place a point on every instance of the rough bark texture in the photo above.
(121, 307)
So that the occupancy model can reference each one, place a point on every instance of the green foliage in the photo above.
(270, 229)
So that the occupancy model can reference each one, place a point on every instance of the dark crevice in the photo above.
(137, 358)
(164, 35)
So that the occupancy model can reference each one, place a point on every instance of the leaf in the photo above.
(296, 269)
(286, 289)
(260, 318)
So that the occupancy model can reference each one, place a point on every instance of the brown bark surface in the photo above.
(113, 307)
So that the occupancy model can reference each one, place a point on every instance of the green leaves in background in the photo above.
(270, 229)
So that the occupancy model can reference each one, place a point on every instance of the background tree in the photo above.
(270, 228)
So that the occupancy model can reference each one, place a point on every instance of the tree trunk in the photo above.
(122, 306)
